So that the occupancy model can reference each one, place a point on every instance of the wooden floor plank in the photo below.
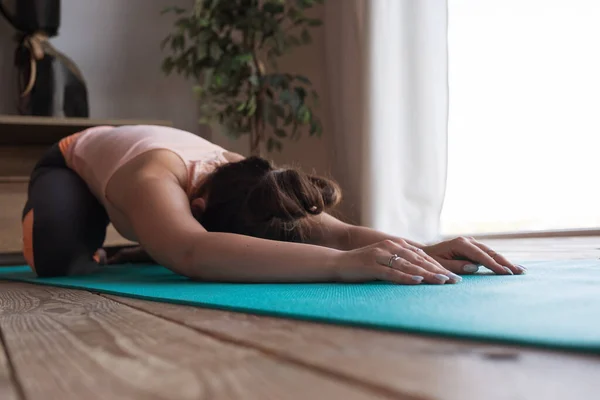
(8, 387)
(407, 364)
(540, 249)
(69, 344)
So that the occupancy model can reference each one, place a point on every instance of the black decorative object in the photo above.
(50, 84)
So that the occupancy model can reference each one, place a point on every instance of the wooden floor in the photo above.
(70, 344)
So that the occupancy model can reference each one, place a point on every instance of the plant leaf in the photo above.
(268, 114)
(303, 79)
(164, 42)
(285, 97)
(279, 110)
(280, 133)
(251, 106)
(272, 117)
(277, 81)
(198, 90)
(305, 36)
(168, 65)
(303, 115)
(289, 119)
(273, 8)
(273, 144)
(177, 42)
(295, 102)
(301, 92)
(244, 58)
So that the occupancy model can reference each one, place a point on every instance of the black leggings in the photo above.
(63, 222)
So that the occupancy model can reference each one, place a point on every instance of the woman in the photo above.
(212, 215)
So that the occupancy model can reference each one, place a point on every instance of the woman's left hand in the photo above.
(464, 255)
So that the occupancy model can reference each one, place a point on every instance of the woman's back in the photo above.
(98, 153)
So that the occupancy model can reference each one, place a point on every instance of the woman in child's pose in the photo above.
(213, 215)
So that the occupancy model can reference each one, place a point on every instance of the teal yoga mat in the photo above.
(557, 304)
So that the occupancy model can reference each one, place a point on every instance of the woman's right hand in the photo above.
(392, 261)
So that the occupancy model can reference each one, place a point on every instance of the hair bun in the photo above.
(298, 195)
(330, 191)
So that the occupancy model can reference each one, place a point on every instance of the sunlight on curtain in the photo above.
(405, 151)
(524, 116)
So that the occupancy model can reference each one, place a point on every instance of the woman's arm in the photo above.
(460, 255)
(331, 232)
(327, 231)
(159, 212)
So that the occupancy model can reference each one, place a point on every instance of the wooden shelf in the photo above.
(14, 179)
(17, 130)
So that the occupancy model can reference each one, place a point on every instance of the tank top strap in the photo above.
(198, 171)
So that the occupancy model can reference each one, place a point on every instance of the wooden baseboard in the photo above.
(11, 259)
(535, 234)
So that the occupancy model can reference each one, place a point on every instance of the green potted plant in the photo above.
(229, 48)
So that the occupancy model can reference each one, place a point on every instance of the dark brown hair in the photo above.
(251, 197)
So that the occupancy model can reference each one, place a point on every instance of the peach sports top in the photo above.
(95, 154)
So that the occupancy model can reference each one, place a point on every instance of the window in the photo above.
(524, 117)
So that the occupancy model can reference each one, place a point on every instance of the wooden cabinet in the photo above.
(12, 199)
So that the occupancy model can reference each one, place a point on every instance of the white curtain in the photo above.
(387, 70)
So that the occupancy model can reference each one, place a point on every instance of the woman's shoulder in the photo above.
(157, 165)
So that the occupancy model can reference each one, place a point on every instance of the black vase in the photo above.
(50, 83)
(33, 15)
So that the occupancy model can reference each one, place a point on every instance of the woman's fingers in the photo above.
(435, 271)
(432, 277)
(460, 266)
(499, 258)
(468, 250)
(406, 261)
(421, 253)
(420, 258)
(393, 275)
